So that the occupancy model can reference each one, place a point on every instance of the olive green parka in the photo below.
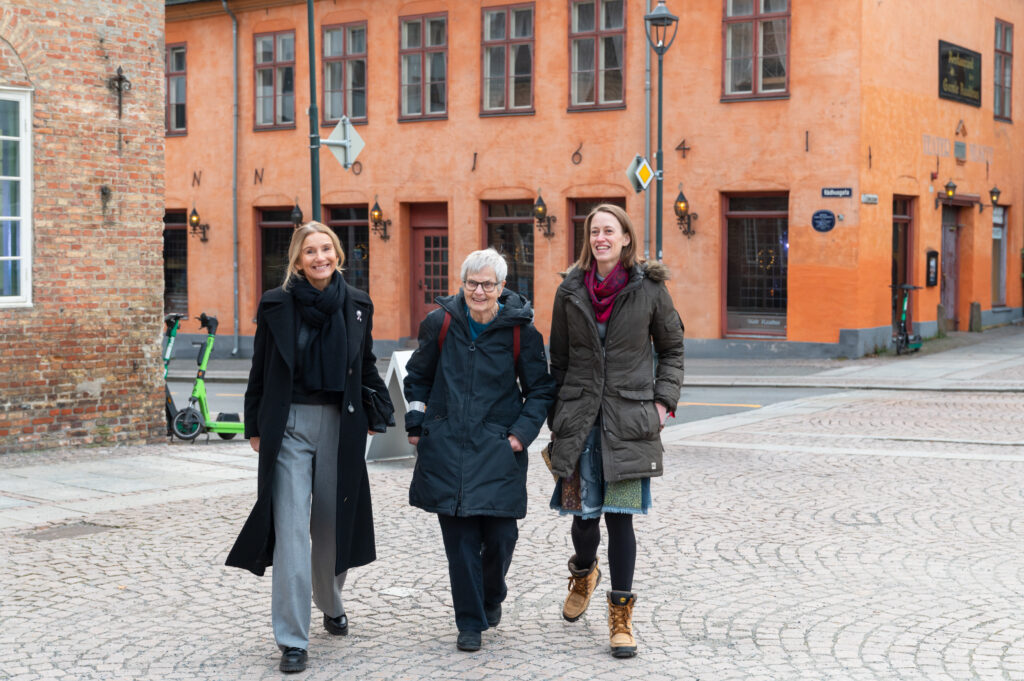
(618, 379)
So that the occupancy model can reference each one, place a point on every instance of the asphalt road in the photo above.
(695, 404)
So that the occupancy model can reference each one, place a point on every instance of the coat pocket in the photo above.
(567, 409)
(632, 415)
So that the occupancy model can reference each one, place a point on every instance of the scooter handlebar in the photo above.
(208, 322)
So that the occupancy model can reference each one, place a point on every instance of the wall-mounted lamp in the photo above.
(120, 84)
(379, 224)
(683, 214)
(540, 214)
(948, 192)
(196, 227)
(993, 195)
(296, 215)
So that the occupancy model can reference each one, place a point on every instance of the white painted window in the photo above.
(15, 198)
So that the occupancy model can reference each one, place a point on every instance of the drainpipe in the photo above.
(647, 142)
(234, 166)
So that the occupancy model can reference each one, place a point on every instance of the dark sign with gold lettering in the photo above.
(959, 74)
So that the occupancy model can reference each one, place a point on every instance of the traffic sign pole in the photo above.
(314, 116)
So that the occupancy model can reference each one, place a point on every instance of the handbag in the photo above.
(380, 413)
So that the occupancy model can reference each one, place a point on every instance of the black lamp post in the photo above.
(657, 24)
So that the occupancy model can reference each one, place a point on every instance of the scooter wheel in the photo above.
(187, 424)
(226, 436)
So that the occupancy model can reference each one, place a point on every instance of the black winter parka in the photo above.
(464, 464)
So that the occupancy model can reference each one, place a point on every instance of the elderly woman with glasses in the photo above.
(479, 390)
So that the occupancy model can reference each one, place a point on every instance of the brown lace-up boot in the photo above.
(620, 623)
(582, 583)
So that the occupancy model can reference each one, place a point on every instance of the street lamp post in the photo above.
(657, 24)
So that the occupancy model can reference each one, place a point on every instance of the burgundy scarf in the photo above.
(602, 293)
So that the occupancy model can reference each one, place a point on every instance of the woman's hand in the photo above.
(517, 446)
(254, 442)
(414, 440)
(662, 413)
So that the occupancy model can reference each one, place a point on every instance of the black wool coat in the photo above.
(267, 402)
(465, 465)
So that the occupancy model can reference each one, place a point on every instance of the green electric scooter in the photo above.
(195, 418)
(171, 323)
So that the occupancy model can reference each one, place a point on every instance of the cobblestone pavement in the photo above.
(861, 535)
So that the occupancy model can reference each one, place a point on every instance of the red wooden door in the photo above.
(429, 223)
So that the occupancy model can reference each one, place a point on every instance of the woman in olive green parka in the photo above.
(612, 316)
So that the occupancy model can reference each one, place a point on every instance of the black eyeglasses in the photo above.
(487, 286)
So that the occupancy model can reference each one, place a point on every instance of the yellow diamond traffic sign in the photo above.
(640, 173)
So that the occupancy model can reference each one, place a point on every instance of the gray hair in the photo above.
(478, 260)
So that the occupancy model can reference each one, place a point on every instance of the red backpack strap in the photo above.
(515, 345)
(444, 330)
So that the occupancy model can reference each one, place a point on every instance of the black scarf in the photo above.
(323, 359)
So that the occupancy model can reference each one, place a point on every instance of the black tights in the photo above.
(586, 535)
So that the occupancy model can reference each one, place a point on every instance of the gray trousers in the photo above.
(304, 500)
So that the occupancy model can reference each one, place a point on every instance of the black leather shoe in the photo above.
(493, 615)
(336, 626)
(293, 660)
(468, 641)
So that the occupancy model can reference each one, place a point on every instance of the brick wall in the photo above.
(81, 366)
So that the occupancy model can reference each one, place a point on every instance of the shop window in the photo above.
(507, 59)
(423, 53)
(597, 44)
(902, 225)
(1002, 91)
(15, 198)
(510, 231)
(756, 48)
(352, 225)
(275, 80)
(757, 230)
(175, 262)
(174, 115)
(580, 210)
(998, 256)
(275, 235)
(345, 72)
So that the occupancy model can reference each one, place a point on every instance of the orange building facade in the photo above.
(814, 145)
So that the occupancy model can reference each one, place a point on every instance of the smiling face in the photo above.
(482, 304)
(607, 239)
(317, 259)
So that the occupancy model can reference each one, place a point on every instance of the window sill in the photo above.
(333, 123)
(602, 107)
(269, 128)
(499, 114)
(1003, 119)
(417, 119)
(176, 133)
(726, 99)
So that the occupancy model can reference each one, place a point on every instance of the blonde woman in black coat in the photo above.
(312, 355)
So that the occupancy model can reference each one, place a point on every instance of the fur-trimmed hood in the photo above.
(653, 270)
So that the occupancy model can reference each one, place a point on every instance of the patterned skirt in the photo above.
(585, 493)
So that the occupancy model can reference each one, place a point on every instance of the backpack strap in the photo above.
(444, 330)
(515, 345)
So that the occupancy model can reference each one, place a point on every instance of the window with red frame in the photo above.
(756, 48)
(275, 80)
(174, 116)
(423, 57)
(597, 44)
(345, 72)
(508, 59)
(1004, 71)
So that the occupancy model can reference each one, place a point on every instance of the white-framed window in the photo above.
(15, 198)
